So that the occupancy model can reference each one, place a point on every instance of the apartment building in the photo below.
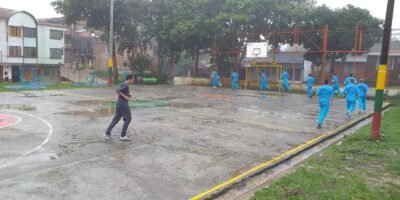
(30, 50)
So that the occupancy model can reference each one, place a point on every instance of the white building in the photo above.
(29, 50)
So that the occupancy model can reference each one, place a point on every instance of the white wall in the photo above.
(20, 19)
(3, 40)
(307, 68)
(45, 43)
(7, 70)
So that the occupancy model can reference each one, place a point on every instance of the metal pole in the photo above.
(380, 83)
(245, 83)
(110, 43)
(1, 67)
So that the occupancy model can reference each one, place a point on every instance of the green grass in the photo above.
(58, 86)
(104, 74)
(356, 168)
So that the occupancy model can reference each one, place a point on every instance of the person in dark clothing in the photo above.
(122, 109)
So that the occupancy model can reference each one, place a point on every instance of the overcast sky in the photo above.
(43, 9)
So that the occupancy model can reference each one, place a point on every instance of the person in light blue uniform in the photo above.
(336, 86)
(215, 79)
(235, 78)
(263, 82)
(349, 78)
(362, 96)
(285, 81)
(310, 83)
(351, 93)
(325, 94)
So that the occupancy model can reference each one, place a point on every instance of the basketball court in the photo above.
(185, 140)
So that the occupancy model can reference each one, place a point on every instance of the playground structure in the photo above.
(30, 78)
(359, 60)
(252, 80)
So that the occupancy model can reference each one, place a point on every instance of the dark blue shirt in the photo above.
(123, 88)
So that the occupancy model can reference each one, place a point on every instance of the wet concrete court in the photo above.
(185, 140)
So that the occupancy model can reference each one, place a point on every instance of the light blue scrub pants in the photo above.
(263, 85)
(309, 91)
(285, 85)
(235, 84)
(323, 113)
(336, 88)
(361, 103)
(215, 82)
(350, 105)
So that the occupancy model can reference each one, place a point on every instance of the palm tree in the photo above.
(134, 43)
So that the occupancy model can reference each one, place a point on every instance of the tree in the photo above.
(242, 21)
(96, 14)
(340, 41)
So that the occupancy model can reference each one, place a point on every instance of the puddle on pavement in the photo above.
(190, 105)
(86, 102)
(56, 95)
(92, 113)
(29, 95)
(21, 107)
(140, 104)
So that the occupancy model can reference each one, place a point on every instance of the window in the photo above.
(14, 51)
(30, 52)
(56, 35)
(14, 31)
(29, 32)
(56, 53)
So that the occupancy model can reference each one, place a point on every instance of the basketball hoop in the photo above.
(257, 49)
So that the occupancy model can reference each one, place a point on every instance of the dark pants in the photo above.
(125, 113)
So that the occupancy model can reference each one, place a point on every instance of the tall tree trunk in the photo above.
(133, 67)
(196, 64)
(160, 55)
(173, 70)
(115, 65)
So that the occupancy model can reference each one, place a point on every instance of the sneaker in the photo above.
(348, 115)
(126, 138)
(108, 136)
(319, 126)
(359, 112)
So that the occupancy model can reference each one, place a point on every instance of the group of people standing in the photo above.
(216, 82)
(351, 92)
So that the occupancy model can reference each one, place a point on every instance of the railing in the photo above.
(251, 84)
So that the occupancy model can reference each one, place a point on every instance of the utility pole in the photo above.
(380, 83)
(110, 43)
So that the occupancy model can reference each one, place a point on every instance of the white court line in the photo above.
(49, 134)
(19, 120)
(86, 96)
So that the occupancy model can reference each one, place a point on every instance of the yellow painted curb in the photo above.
(278, 159)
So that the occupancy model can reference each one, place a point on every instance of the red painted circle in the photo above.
(8, 120)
